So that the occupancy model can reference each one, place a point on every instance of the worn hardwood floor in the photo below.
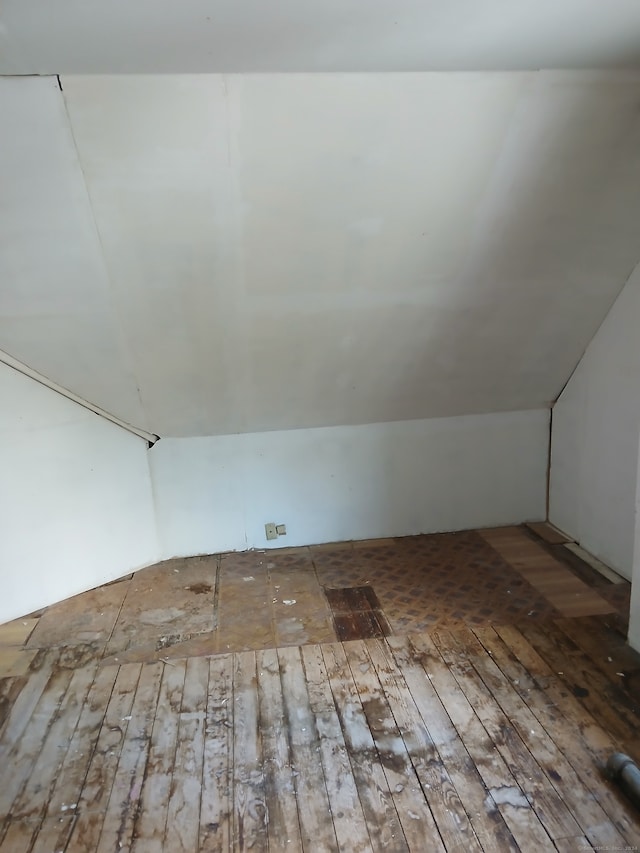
(461, 737)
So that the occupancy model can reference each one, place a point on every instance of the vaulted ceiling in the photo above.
(213, 253)
(180, 36)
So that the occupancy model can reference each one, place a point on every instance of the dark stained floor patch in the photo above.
(350, 598)
(357, 614)
(199, 588)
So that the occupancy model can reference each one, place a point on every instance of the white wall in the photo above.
(342, 483)
(76, 507)
(596, 423)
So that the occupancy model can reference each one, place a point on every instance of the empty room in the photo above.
(319, 426)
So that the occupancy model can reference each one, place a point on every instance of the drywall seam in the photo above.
(12, 362)
(103, 255)
(549, 445)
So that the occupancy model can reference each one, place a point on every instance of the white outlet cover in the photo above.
(270, 531)
(281, 529)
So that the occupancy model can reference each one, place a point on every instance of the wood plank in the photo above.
(505, 538)
(568, 594)
(570, 787)
(505, 795)
(19, 836)
(347, 599)
(573, 845)
(85, 618)
(15, 662)
(216, 809)
(10, 689)
(22, 708)
(551, 810)
(382, 819)
(54, 834)
(432, 741)
(610, 654)
(36, 794)
(245, 588)
(283, 823)
(488, 822)
(600, 567)
(250, 811)
(426, 800)
(154, 800)
(183, 819)
(93, 800)
(360, 624)
(17, 632)
(556, 693)
(19, 758)
(437, 748)
(581, 603)
(162, 600)
(316, 824)
(124, 799)
(588, 746)
(545, 530)
(586, 683)
(200, 645)
(71, 776)
(348, 818)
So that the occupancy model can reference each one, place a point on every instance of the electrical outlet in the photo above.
(281, 529)
(270, 531)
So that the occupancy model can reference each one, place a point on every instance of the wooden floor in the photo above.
(471, 737)
(289, 597)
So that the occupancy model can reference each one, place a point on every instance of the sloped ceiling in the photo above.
(179, 36)
(212, 254)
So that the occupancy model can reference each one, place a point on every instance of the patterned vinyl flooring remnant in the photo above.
(424, 581)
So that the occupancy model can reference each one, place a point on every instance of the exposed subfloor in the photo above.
(267, 599)
(207, 704)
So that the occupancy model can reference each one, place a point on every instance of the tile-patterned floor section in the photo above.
(424, 581)
(263, 599)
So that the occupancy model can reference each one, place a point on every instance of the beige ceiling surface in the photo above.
(215, 254)
(93, 36)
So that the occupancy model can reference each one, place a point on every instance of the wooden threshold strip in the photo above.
(566, 592)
